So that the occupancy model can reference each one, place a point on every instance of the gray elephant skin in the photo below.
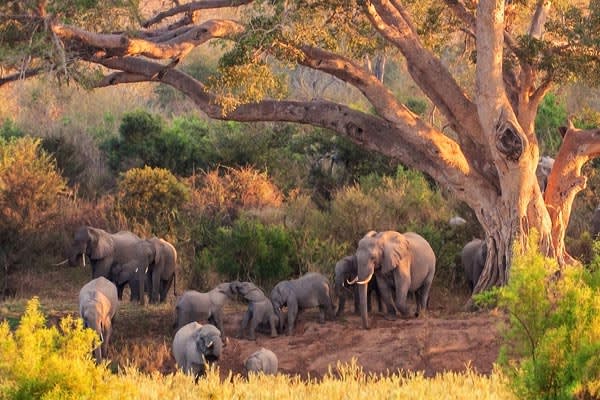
(117, 256)
(196, 345)
(196, 306)
(262, 361)
(98, 304)
(404, 262)
(473, 257)
(310, 290)
(595, 224)
(161, 273)
(260, 313)
(345, 270)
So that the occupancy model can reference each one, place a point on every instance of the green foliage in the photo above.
(551, 115)
(152, 195)
(249, 250)
(554, 330)
(417, 106)
(9, 129)
(39, 362)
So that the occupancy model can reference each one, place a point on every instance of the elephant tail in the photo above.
(175, 283)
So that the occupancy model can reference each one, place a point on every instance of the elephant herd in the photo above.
(401, 263)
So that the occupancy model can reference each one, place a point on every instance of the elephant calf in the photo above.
(98, 304)
(196, 306)
(196, 345)
(263, 360)
(310, 290)
(260, 310)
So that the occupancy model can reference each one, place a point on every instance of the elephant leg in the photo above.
(244, 323)
(321, 314)
(292, 314)
(402, 284)
(386, 296)
(253, 325)
(165, 286)
(423, 298)
(120, 289)
(341, 304)
(218, 318)
(356, 300)
(273, 324)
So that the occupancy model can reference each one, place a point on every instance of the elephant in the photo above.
(310, 290)
(114, 256)
(345, 270)
(473, 257)
(595, 224)
(542, 171)
(196, 345)
(405, 262)
(262, 360)
(98, 304)
(260, 312)
(196, 306)
(161, 273)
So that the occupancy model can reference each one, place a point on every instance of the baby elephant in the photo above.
(260, 311)
(263, 360)
(196, 306)
(310, 290)
(196, 345)
(98, 304)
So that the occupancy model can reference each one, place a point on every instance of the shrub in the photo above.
(249, 250)
(30, 200)
(152, 195)
(551, 114)
(553, 337)
(39, 362)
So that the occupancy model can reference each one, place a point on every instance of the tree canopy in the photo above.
(485, 151)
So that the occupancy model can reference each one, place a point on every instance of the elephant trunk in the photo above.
(362, 293)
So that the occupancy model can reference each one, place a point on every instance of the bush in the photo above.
(551, 114)
(152, 195)
(553, 338)
(39, 362)
(30, 201)
(249, 250)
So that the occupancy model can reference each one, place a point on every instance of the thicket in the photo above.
(41, 362)
(552, 339)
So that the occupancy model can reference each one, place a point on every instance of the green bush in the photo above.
(552, 346)
(249, 250)
(152, 195)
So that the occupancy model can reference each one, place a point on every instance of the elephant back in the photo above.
(423, 259)
(102, 290)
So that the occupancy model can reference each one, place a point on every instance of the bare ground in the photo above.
(447, 339)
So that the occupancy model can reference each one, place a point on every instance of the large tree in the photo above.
(487, 152)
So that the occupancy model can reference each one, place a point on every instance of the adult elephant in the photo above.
(115, 256)
(405, 262)
(161, 273)
(473, 257)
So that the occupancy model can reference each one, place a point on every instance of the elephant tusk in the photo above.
(366, 280)
(83, 258)
(61, 263)
(209, 345)
(353, 281)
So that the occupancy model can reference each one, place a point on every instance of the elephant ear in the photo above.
(101, 244)
(395, 252)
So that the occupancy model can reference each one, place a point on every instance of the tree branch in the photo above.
(21, 75)
(536, 29)
(178, 47)
(443, 162)
(194, 6)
